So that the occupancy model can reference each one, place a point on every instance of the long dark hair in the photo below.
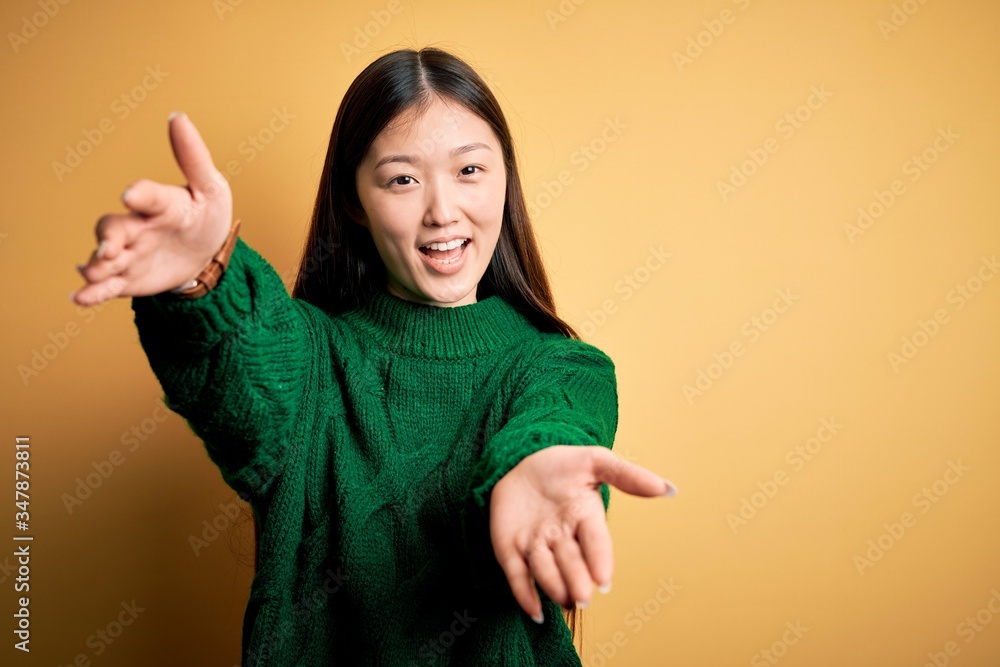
(341, 267)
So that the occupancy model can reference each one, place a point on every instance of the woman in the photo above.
(424, 443)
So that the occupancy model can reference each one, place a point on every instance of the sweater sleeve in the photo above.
(569, 396)
(233, 363)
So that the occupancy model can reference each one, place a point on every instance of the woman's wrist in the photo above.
(188, 285)
(210, 275)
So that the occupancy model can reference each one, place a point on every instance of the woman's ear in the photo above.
(358, 215)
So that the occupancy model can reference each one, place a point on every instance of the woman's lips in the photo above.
(447, 266)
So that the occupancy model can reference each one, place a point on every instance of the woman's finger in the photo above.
(109, 237)
(150, 198)
(575, 572)
(521, 585)
(115, 232)
(629, 477)
(194, 158)
(97, 293)
(117, 258)
(594, 538)
(546, 573)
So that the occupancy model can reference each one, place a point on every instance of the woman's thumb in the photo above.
(630, 477)
(192, 156)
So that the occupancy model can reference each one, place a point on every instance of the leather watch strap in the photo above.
(210, 275)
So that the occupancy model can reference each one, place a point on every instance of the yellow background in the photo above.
(562, 73)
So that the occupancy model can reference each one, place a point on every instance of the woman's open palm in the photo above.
(171, 232)
(548, 523)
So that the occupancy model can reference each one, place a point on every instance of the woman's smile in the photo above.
(446, 258)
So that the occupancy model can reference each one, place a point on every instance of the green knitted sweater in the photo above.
(367, 444)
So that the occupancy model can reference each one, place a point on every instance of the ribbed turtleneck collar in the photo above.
(436, 332)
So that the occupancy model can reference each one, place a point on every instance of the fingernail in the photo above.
(671, 489)
(175, 114)
(539, 619)
(582, 605)
(125, 195)
(101, 248)
(73, 294)
(79, 268)
(606, 588)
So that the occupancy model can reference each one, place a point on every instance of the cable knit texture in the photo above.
(367, 444)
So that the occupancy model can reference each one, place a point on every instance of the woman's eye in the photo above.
(404, 179)
(396, 180)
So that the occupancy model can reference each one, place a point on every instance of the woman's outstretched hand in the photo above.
(171, 232)
(548, 523)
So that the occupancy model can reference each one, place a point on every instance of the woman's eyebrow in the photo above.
(412, 159)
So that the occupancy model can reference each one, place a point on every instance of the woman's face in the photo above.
(438, 177)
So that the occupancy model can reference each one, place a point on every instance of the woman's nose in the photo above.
(442, 203)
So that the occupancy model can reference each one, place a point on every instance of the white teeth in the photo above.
(445, 246)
